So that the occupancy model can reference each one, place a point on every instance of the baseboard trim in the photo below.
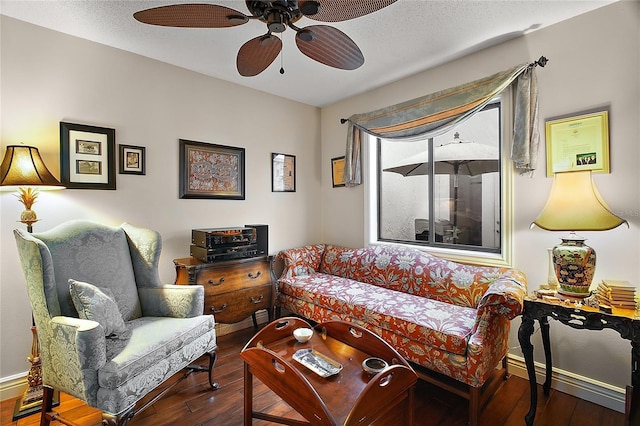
(582, 387)
(13, 386)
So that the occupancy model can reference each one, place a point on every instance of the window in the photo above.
(457, 204)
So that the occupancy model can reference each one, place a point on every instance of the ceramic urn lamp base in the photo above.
(575, 264)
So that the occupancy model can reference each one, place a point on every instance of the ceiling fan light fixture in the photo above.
(276, 22)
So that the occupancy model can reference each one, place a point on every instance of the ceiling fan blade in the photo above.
(257, 54)
(192, 16)
(330, 46)
(340, 10)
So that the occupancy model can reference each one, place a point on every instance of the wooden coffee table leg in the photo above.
(248, 396)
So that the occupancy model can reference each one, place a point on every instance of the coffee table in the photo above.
(348, 397)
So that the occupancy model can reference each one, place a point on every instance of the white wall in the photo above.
(594, 62)
(48, 77)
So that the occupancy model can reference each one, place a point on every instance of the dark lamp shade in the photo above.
(22, 167)
(574, 204)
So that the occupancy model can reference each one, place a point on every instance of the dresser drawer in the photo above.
(234, 289)
(237, 305)
(231, 278)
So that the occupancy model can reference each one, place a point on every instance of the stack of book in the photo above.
(619, 294)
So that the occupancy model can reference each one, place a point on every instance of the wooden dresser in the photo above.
(234, 289)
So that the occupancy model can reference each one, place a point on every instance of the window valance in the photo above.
(439, 112)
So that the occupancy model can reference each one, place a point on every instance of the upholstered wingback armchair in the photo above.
(109, 332)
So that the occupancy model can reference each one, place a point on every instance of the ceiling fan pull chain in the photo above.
(281, 57)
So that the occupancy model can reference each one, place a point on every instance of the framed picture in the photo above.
(211, 171)
(578, 142)
(132, 159)
(283, 173)
(87, 156)
(337, 171)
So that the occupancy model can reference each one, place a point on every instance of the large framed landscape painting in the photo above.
(211, 171)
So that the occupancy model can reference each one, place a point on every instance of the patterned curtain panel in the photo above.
(437, 113)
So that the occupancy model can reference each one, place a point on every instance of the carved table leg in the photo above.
(633, 411)
(524, 337)
(544, 330)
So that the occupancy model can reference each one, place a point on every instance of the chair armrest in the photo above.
(505, 296)
(176, 301)
(301, 261)
(74, 350)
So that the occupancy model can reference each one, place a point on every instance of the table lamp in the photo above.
(24, 171)
(574, 204)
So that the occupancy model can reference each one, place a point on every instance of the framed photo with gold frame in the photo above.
(283, 172)
(337, 172)
(87, 156)
(578, 142)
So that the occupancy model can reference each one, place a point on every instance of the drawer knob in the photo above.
(256, 300)
(253, 277)
(217, 311)
(220, 281)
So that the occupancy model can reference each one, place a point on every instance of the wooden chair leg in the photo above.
(474, 405)
(47, 406)
(121, 420)
(505, 365)
(212, 360)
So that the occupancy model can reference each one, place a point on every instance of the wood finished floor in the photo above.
(191, 403)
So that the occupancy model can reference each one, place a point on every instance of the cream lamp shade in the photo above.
(574, 204)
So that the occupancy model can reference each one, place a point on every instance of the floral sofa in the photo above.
(445, 317)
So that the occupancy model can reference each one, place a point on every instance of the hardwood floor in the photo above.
(191, 403)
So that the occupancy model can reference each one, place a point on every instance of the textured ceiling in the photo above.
(407, 37)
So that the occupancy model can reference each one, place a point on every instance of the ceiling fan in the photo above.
(322, 43)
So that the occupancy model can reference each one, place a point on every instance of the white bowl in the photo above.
(374, 365)
(302, 335)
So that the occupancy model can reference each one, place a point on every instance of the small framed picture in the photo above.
(211, 171)
(132, 159)
(578, 142)
(283, 172)
(87, 156)
(337, 171)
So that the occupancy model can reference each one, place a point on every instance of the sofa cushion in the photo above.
(154, 341)
(303, 261)
(98, 304)
(430, 322)
(412, 271)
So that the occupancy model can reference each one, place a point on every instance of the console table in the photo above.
(233, 289)
(625, 321)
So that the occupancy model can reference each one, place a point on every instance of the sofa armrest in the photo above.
(75, 375)
(301, 261)
(505, 296)
(176, 301)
